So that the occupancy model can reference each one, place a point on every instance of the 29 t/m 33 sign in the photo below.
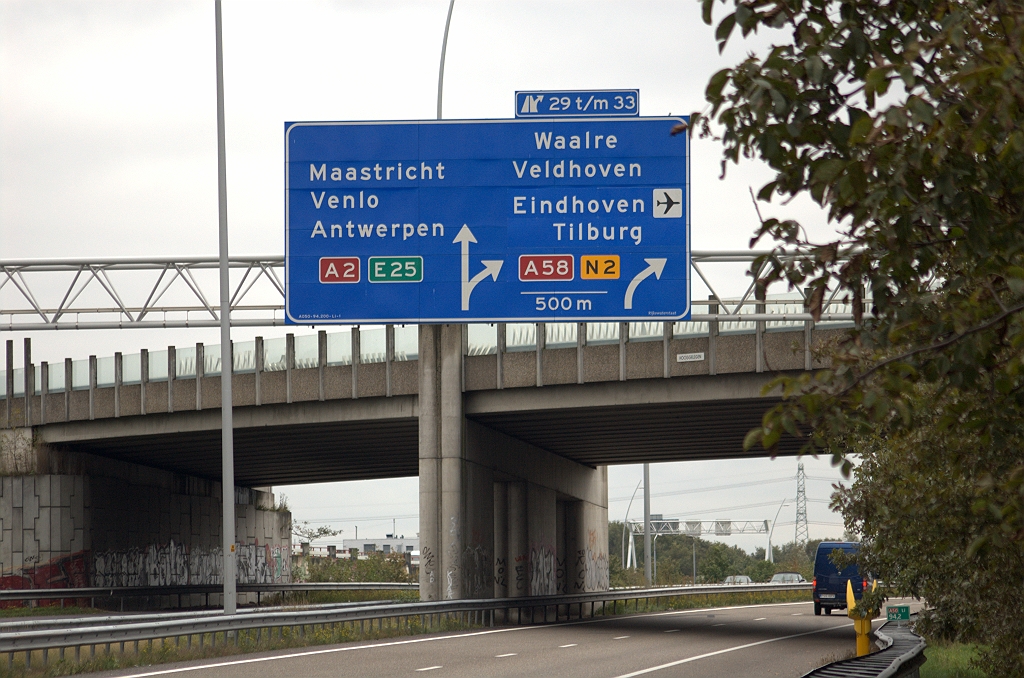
(487, 221)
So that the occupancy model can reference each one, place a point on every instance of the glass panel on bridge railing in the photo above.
(244, 358)
(520, 337)
(482, 339)
(646, 331)
(689, 328)
(307, 352)
(105, 372)
(211, 360)
(185, 362)
(728, 322)
(55, 375)
(131, 369)
(19, 382)
(407, 342)
(560, 335)
(157, 366)
(372, 346)
(80, 374)
(339, 348)
(274, 354)
(602, 333)
(784, 307)
(37, 379)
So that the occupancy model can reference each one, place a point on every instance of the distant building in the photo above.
(389, 544)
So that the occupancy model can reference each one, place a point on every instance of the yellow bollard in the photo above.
(861, 624)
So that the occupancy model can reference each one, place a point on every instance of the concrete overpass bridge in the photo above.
(509, 428)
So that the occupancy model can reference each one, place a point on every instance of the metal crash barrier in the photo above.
(417, 616)
(901, 657)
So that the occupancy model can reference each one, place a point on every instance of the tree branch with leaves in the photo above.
(902, 120)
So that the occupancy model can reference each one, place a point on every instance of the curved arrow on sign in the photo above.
(655, 266)
(491, 267)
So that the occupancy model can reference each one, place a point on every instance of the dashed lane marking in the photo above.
(760, 618)
(731, 649)
(457, 636)
(507, 654)
(620, 637)
(569, 645)
(428, 668)
(671, 631)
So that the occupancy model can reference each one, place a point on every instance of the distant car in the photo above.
(738, 579)
(829, 587)
(787, 578)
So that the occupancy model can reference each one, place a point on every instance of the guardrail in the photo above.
(423, 616)
(123, 592)
(12, 624)
(901, 657)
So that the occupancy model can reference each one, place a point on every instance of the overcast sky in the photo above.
(108, 148)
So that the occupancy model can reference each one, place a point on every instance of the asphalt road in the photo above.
(756, 640)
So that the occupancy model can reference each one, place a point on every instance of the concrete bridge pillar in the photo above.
(498, 516)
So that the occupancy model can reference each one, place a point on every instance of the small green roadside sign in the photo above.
(897, 612)
(396, 269)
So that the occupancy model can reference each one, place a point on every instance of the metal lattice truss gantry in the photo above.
(183, 292)
(696, 528)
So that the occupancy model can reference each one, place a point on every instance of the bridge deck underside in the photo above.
(388, 448)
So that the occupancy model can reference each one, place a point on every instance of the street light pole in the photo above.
(226, 359)
(647, 524)
(625, 524)
(769, 556)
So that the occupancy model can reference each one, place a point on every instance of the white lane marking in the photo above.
(671, 631)
(620, 637)
(726, 650)
(428, 668)
(569, 645)
(722, 624)
(311, 653)
(760, 618)
(797, 614)
(507, 654)
(333, 650)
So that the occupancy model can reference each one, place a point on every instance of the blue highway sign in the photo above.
(619, 103)
(486, 221)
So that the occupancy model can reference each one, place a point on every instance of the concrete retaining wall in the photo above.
(79, 520)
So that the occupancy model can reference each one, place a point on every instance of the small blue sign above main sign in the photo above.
(613, 103)
(486, 221)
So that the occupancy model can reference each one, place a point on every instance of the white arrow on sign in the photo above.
(491, 268)
(655, 266)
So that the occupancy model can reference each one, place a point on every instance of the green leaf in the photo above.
(724, 30)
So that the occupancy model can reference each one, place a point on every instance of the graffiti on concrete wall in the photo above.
(452, 557)
(521, 574)
(591, 567)
(175, 564)
(477, 569)
(429, 564)
(263, 564)
(500, 573)
(563, 583)
(543, 577)
(62, 572)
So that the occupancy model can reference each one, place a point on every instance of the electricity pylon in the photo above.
(802, 534)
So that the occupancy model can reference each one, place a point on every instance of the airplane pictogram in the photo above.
(668, 202)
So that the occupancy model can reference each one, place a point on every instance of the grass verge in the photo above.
(951, 660)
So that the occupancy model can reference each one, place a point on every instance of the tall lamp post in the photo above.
(769, 556)
(625, 524)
